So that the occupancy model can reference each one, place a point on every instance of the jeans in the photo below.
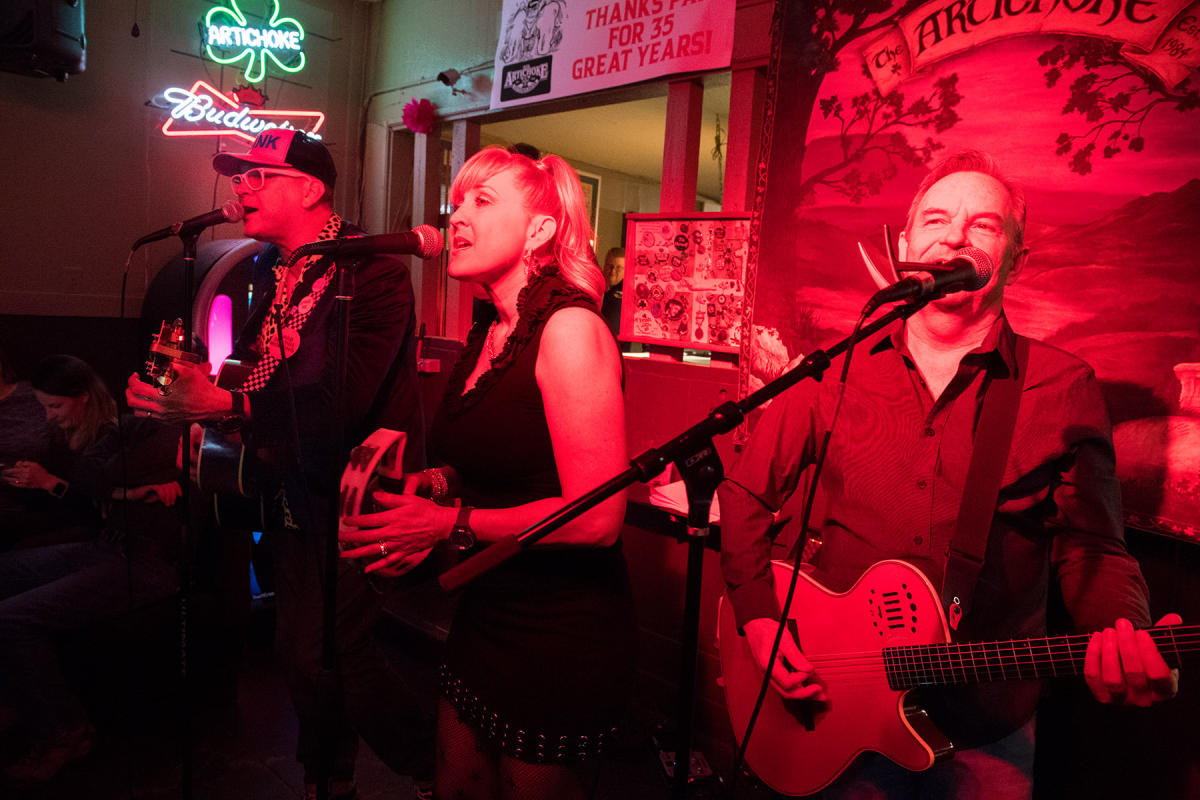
(1002, 770)
(45, 591)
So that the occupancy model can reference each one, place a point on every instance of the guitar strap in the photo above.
(993, 440)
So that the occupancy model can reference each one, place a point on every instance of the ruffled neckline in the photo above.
(545, 293)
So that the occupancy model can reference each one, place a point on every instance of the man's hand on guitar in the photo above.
(1123, 666)
(191, 395)
(793, 676)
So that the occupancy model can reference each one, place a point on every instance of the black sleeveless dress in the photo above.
(540, 656)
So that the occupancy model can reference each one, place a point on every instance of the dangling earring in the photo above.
(531, 264)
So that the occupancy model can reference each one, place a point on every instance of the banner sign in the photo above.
(204, 110)
(557, 48)
(1163, 36)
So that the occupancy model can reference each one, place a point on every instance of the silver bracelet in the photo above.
(439, 486)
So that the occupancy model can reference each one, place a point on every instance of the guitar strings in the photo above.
(980, 661)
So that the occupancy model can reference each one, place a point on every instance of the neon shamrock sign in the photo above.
(228, 39)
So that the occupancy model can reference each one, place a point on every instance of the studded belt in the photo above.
(519, 743)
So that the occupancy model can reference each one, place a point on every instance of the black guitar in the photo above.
(225, 463)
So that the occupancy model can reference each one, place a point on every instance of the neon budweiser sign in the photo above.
(204, 110)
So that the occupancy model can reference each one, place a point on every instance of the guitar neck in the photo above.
(1017, 659)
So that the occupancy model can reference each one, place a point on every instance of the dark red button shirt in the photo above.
(893, 481)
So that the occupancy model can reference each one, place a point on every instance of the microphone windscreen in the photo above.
(233, 211)
(982, 264)
(430, 241)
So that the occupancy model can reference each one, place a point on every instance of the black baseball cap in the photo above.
(282, 147)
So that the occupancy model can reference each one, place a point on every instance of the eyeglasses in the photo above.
(256, 178)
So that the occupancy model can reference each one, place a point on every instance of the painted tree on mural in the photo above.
(1112, 96)
(874, 132)
(878, 125)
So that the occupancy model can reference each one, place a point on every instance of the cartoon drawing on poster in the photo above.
(687, 275)
(535, 29)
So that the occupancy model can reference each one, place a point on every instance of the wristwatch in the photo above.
(237, 404)
(59, 489)
(236, 418)
(461, 535)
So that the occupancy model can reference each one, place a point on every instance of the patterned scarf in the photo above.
(292, 317)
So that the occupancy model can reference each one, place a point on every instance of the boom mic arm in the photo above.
(424, 241)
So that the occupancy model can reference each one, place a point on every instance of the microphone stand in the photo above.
(189, 238)
(696, 458)
(328, 689)
(189, 235)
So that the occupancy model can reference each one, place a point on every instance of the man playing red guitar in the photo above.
(893, 481)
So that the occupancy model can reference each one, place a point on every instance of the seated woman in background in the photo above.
(539, 660)
(47, 590)
(24, 436)
(79, 406)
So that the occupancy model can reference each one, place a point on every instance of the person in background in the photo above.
(24, 436)
(539, 659)
(285, 184)
(614, 277)
(47, 590)
(81, 414)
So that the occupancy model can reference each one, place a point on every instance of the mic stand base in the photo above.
(702, 474)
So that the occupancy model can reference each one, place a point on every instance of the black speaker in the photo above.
(42, 38)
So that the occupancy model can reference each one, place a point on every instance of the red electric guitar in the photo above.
(870, 646)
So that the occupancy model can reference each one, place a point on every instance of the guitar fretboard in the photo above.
(1017, 659)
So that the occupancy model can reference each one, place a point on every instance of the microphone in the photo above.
(424, 241)
(232, 211)
(968, 271)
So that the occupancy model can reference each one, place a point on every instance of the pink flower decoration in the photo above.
(418, 116)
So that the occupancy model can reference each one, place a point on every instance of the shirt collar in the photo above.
(998, 348)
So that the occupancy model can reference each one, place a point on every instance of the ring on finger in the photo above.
(383, 549)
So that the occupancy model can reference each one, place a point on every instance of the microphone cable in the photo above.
(797, 553)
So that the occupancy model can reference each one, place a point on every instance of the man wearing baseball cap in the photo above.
(285, 184)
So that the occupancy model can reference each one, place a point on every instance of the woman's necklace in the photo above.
(491, 347)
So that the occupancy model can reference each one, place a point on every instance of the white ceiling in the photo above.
(626, 137)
